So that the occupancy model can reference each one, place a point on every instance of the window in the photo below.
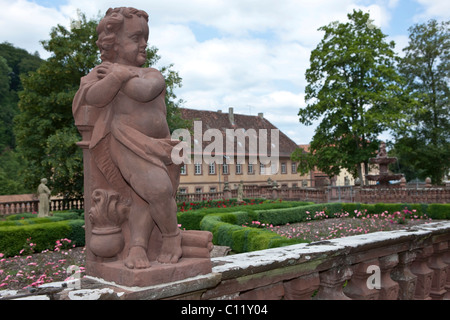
(212, 168)
(198, 189)
(250, 168)
(262, 168)
(225, 168)
(294, 167)
(283, 168)
(183, 169)
(212, 189)
(182, 191)
(238, 168)
(274, 167)
(198, 168)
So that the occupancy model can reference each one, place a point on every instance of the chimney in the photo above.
(261, 115)
(231, 115)
(219, 111)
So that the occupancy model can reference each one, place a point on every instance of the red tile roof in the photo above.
(222, 121)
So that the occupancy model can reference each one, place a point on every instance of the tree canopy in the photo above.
(423, 138)
(354, 89)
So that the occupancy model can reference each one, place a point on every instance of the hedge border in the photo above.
(14, 238)
(227, 227)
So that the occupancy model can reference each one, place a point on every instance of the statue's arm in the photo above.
(146, 88)
(111, 78)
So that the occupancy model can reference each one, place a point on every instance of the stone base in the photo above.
(158, 273)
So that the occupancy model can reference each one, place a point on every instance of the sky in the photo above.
(250, 55)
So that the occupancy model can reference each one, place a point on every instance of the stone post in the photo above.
(331, 282)
(424, 274)
(439, 268)
(404, 277)
(446, 259)
(360, 286)
(301, 288)
(389, 288)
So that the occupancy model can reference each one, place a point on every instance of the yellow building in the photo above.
(245, 161)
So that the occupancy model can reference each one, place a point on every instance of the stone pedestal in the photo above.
(157, 274)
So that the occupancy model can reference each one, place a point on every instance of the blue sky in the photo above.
(247, 54)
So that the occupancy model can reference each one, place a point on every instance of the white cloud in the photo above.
(434, 9)
(25, 23)
(254, 58)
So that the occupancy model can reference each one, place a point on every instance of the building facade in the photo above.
(242, 164)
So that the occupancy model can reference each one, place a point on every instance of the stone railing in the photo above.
(14, 207)
(409, 264)
(406, 195)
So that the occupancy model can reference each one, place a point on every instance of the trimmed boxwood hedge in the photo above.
(44, 232)
(240, 238)
(226, 223)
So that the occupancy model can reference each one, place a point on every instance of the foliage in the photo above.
(355, 91)
(423, 139)
(14, 238)
(44, 129)
(11, 164)
(14, 62)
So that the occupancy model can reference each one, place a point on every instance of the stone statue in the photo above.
(240, 192)
(44, 198)
(131, 180)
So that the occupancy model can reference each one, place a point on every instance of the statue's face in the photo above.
(132, 42)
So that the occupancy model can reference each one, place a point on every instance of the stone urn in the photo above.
(107, 215)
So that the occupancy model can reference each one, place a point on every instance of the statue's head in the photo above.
(123, 35)
(44, 180)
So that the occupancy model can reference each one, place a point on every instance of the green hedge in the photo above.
(190, 220)
(226, 223)
(239, 238)
(44, 235)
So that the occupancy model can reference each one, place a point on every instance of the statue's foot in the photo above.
(137, 258)
(171, 248)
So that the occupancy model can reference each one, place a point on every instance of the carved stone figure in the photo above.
(130, 179)
(44, 198)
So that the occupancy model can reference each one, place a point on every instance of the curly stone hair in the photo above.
(109, 26)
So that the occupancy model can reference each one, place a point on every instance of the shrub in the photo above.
(438, 211)
(14, 238)
(240, 238)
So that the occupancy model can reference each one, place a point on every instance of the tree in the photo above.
(423, 138)
(13, 62)
(45, 130)
(354, 89)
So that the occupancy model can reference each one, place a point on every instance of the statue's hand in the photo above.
(119, 71)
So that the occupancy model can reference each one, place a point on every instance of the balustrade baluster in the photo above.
(360, 286)
(301, 288)
(389, 288)
(439, 268)
(404, 277)
(446, 259)
(424, 274)
(331, 283)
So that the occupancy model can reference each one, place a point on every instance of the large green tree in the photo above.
(14, 62)
(45, 130)
(354, 90)
(423, 139)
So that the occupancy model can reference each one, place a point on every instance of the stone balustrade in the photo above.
(409, 264)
